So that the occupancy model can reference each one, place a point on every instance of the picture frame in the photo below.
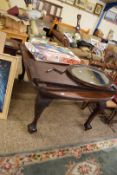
(98, 9)
(111, 16)
(90, 7)
(70, 2)
(85, 5)
(81, 4)
(2, 41)
(8, 67)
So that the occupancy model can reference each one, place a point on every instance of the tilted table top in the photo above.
(59, 84)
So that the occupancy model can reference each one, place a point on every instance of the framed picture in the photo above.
(111, 16)
(85, 5)
(90, 7)
(81, 3)
(98, 9)
(70, 2)
(8, 67)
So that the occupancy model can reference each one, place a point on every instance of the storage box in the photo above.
(15, 23)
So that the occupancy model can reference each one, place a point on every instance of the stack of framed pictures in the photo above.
(8, 67)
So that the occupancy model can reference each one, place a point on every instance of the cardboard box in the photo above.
(15, 23)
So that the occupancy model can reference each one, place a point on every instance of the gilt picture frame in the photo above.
(98, 9)
(8, 67)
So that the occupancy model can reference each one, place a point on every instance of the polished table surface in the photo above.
(58, 84)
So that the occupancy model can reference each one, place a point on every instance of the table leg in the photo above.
(40, 104)
(100, 106)
(109, 120)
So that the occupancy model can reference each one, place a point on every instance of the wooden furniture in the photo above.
(110, 116)
(11, 46)
(53, 84)
(66, 28)
(111, 105)
(11, 34)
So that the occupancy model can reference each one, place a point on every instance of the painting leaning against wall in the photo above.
(8, 67)
(4, 75)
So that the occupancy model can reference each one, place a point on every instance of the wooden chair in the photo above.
(110, 111)
(109, 66)
(112, 104)
(109, 117)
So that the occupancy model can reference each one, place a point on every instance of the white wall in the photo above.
(88, 21)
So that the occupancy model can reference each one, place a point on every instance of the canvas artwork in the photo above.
(4, 75)
(8, 66)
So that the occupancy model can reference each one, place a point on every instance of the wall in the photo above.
(88, 21)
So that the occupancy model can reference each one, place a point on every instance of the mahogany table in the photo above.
(58, 85)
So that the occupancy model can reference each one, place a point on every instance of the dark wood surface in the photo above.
(54, 85)
(11, 47)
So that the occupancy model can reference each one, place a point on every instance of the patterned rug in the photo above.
(98, 158)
